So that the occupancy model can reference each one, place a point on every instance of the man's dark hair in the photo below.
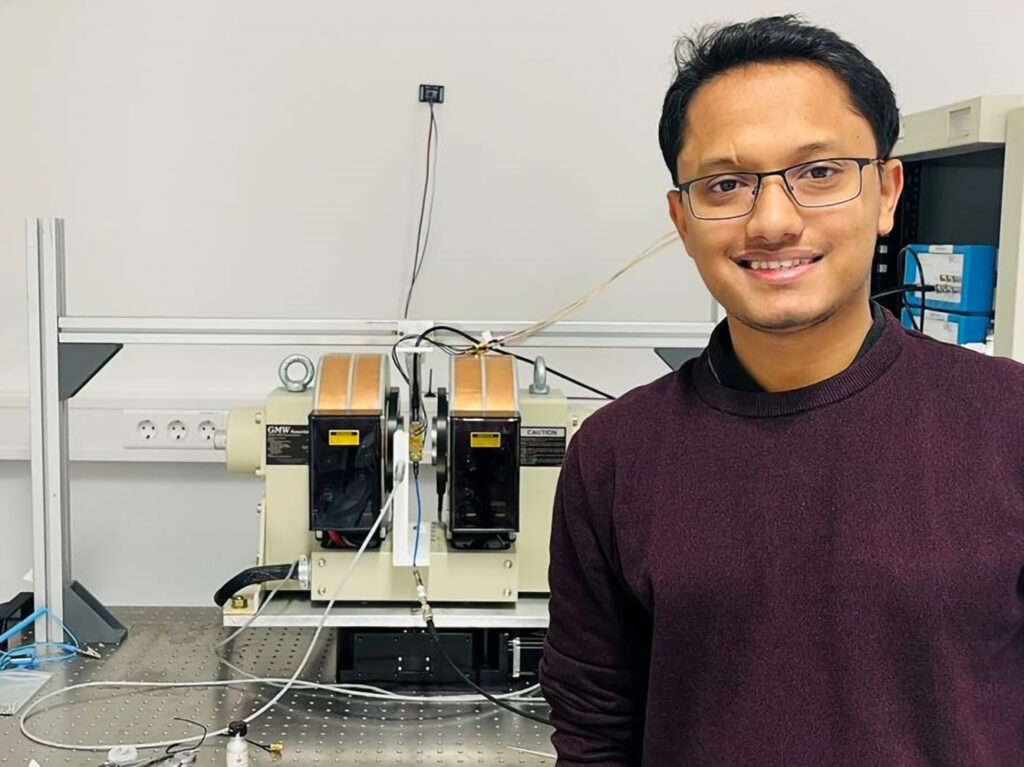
(715, 49)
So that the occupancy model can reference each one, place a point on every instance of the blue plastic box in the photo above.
(951, 328)
(964, 277)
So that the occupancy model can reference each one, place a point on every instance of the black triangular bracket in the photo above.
(91, 621)
(674, 357)
(78, 363)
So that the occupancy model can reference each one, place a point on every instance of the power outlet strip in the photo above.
(172, 429)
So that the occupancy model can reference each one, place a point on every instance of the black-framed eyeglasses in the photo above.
(813, 184)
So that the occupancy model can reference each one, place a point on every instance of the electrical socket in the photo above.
(431, 94)
(206, 431)
(177, 430)
(172, 429)
(145, 430)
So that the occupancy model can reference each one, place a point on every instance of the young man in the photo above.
(805, 547)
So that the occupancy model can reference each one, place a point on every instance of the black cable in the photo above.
(497, 701)
(468, 337)
(447, 328)
(904, 305)
(152, 762)
(397, 364)
(419, 227)
(250, 577)
(554, 372)
(919, 286)
(265, 746)
(920, 279)
(433, 190)
(444, 347)
(173, 749)
(417, 261)
(394, 357)
(416, 404)
(904, 289)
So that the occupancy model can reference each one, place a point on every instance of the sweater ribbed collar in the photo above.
(857, 376)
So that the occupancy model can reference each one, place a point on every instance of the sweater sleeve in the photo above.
(597, 653)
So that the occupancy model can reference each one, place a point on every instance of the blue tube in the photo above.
(18, 627)
(419, 520)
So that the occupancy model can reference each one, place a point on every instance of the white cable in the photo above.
(533, 753)
(516, 336)
(363, 690)
(179, 685)
(283, 691)
(330, 605)
(376, 693)
(285, 684)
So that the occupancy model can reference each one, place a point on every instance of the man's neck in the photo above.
(785, 361)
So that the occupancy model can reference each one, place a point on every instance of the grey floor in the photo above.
(174, 644)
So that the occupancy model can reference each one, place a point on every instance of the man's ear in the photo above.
(677, 212)
(891, 187)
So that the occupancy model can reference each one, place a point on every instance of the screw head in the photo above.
(239, 603)
(321, 562)
(507, 592)
(322, 590)
(508, 564)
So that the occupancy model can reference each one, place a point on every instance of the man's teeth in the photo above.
(779, 264)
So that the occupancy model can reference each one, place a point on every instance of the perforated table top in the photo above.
(316, 727)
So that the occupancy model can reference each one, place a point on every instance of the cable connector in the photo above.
(421, 594)
(484, 345)
(425, 611)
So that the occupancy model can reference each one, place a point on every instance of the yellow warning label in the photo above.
(484, 439)
(343, 437)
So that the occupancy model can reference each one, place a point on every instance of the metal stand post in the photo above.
(48, 412)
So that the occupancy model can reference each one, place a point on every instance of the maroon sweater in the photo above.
(827, 576)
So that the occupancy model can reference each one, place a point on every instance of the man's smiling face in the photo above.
(764, 117)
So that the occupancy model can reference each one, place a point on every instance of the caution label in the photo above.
(343, 437)
(485, 439)
(287, 445)
(542, 445)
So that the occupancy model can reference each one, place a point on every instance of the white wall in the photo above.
(15, 528)
(143, 533)
(258, 158)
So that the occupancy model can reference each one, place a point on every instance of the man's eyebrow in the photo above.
(712, 164)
